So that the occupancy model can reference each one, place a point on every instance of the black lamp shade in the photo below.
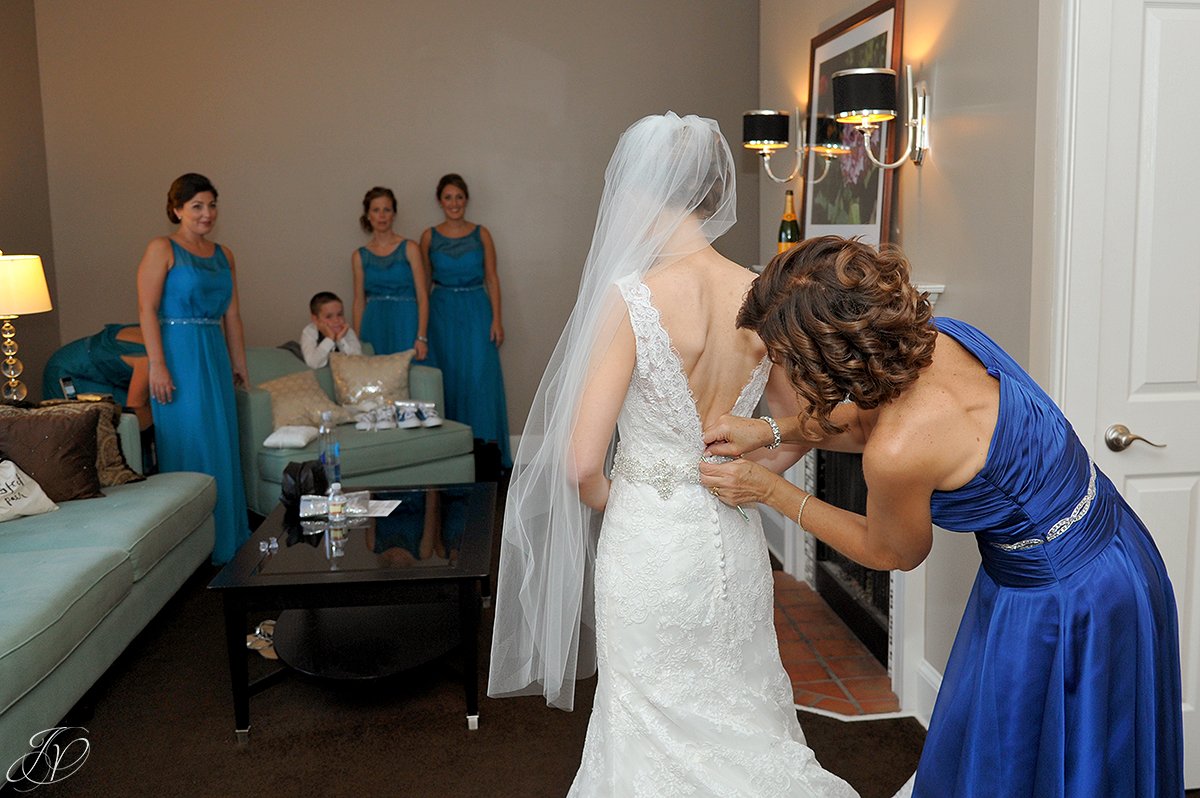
(765, 129)
(828, 137)
(861, 93)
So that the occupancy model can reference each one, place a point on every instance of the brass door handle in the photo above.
(1118, 438)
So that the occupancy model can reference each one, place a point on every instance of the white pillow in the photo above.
(293, 437)
(19, 494)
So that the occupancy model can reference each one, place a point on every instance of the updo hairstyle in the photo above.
(844, 322)
(455, 180)
(372, 195)
(183, 189)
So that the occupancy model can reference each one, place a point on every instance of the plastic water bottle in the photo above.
(337, 503)
(329, 448)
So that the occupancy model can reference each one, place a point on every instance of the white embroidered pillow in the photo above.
(19, 494)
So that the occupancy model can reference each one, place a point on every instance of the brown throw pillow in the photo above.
(58, 450)
(360, 378)
(110, 460)
(297, 401)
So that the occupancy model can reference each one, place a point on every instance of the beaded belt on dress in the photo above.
(478, 287)
(189, 321)
(1063, 524)
(661, 475)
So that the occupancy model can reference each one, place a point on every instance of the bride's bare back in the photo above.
(698, 298)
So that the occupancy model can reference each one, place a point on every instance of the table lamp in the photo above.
(22, 291)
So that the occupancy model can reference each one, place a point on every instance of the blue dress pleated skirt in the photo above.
(460, 324)
(1064, 677)
(389, 322)
(198, 429)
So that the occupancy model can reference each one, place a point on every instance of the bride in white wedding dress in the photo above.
(692, 699)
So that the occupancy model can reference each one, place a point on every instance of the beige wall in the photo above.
(965, 216)
(294, 109)
(24, 193)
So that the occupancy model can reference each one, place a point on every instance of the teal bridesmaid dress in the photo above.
(94, 364)
(460, 324)
(198, 429)
(389, 322)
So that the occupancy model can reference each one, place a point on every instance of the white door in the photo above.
(1130, 310)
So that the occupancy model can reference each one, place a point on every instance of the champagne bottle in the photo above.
(789, 228)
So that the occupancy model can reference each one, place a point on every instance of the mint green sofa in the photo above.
(384, 458)
(79, 583)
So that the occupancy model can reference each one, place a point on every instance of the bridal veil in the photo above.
(666, 170)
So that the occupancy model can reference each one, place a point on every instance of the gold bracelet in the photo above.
(800, 512)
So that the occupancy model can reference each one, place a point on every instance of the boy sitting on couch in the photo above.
(327, 331)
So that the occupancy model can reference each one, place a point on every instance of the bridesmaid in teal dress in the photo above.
(187, 291)
(111, 361)
(391, 296)
(465, 320)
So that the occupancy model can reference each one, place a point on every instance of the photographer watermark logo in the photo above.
(57, 754)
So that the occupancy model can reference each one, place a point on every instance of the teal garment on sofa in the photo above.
(95, 364)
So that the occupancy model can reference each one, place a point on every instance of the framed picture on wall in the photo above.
(854, 198)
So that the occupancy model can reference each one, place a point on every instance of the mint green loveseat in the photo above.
(79, 583)
(384, 458)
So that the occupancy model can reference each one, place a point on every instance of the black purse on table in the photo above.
(300, 479)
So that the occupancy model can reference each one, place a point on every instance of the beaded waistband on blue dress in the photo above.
(190, 321)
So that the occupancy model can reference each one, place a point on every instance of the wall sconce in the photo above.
(22, 291)
(867, 97)
(767, 131)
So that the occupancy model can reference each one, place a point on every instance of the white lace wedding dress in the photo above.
(692, 697)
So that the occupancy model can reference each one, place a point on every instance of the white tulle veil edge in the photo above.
(667, 174)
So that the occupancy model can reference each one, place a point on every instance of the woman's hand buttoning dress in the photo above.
(673, 602)
(391, 295)
(188, 310)
(1064, 678)
(465, 322)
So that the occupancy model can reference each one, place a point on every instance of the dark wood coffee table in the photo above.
(369, 598)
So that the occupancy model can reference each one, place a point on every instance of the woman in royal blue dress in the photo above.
(466, 327)
(1064, 678)
(391, 298)
(187, 293)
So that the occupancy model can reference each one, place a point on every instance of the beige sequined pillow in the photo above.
(297, 400)
(370, 378)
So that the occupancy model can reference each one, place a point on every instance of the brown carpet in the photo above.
(160, 723)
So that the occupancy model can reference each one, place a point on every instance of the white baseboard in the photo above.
(929, 682)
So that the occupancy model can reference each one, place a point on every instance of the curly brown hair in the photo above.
(844, 321)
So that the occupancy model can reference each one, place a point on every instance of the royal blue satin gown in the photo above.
(198, 429)
(460, 325)
(389, 322)
(1064, 677)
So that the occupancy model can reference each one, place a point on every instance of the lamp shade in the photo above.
(22, 285)
(864, 95)
(828, 137)
(765, 129)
